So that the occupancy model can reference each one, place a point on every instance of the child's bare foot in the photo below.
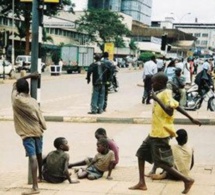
(187, 186)
(139, 186)
(149, 174)
(159, 176)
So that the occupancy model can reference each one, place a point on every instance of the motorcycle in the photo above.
(114, 84)
(196, 96)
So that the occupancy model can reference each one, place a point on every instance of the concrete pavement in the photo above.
(123, 176)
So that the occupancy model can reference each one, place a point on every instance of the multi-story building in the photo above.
(204, 32)
(114, 5)
(139, 10)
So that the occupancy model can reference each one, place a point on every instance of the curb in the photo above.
(130, 120)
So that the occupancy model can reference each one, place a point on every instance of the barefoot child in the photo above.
(183, 157)
(101, 133)
(55, 167)
(155, 148)
(30, 125)
(103, 161)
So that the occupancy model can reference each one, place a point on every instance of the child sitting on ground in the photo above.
(101, 133)
(103, 161)
(55, 165)
(183, 157)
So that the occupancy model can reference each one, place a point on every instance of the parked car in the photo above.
(23, 62)
(8, 68)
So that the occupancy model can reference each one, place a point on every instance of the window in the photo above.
(197, 42)
(204, 42)
(204, 34)
(197, 34)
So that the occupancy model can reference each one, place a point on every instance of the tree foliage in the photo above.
(102, 26)
(24, 11)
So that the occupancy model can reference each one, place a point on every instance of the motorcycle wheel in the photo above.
(211, 104)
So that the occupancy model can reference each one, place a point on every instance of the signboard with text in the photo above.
(109, 47)
(45, 1)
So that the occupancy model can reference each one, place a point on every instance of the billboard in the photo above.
(45, 1)
(109, 47)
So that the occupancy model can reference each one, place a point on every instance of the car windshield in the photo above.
(24, 58)
(6, 62)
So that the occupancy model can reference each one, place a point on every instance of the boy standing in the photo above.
(29, 125)
(55, 168)
(155, 148)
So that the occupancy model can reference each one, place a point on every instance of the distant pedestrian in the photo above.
(160, 64)
(179, 82)
(102, 162)
(29, 125)
(170, 70)
(187, 69)
(109, 65)
(60, 62)
(100, 134)
(100, 74)
(55, 165)
(155, 148)
(149, 69)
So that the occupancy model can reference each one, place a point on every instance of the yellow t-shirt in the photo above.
(162, 123)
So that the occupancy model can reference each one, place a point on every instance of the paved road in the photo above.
(71, 92)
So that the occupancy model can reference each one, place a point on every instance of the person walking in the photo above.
(109, 65)
(149, 69)
(155, 148)
(100, 74)
(29, 125)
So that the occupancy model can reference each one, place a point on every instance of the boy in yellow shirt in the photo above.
(155, 148)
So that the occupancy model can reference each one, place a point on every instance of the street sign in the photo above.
(45, 1)
(109, 47)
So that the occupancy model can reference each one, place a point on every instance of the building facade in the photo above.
(139, 10)
(204, 32)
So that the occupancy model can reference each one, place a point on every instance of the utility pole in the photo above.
(34, 59)
(34, 46)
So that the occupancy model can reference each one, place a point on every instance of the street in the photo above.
(70, 92)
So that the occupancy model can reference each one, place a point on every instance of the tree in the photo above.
(119, 42)
(133, 46)
(102, 26)
(24, 10)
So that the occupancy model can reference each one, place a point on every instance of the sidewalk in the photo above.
(123, 177)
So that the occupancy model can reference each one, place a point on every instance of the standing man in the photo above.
(109, 65)
(149, 69)
(100, 75)
(29, 125)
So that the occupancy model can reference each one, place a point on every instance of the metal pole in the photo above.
(34, 57)
(34, 46)
(13, 49)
